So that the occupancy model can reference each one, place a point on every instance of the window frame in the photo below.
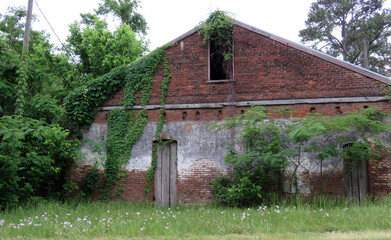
(232, 79)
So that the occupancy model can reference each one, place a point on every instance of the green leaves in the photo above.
(81, 104)
(219, 28)
(125, 10)
(100, 50)
(32, 157)
(272, 144)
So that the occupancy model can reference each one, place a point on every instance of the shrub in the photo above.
(33, 159)
(271, 144)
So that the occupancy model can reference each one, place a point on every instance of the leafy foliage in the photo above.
(325, 136)
(36, 86)
(265, 153)
(125, 10)
(159, 128)
(100, 50)
(89, 182)
(33, 158)
(82, 103)
(357, 30)
(273, 144)
(9, 62)
(45, 107)
(219, 28)
(40, 72)
(125, 128)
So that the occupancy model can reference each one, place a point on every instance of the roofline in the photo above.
(302, 48)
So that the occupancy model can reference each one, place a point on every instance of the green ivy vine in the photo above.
(219, 27)
(126, 127)
(83, 103)
(159, 128)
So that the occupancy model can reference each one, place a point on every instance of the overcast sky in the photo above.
(168, 19)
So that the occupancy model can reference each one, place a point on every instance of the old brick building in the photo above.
(266, 70)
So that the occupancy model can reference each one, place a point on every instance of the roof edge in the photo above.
(300, 47)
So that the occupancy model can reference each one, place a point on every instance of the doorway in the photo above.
(165, 181)
(355, 178)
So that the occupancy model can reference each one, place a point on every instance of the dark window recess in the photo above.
(220, 69)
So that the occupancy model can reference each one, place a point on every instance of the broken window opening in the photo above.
(219, 68)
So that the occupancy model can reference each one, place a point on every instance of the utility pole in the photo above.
(28, 26)
(22, 78)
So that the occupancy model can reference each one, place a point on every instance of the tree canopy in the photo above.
(38, 141)
(356, 30)
(125, 10)
(99, 50)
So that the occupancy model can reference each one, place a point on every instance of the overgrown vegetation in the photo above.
(51, 90)
(218, 32)
(125, 128)
(33, 159)
(280, 145)
(35, 147)
(219, 29)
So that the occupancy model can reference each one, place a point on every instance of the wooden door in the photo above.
(166, 174)
(355, 180)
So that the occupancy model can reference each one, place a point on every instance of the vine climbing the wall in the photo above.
(125, 128)
(159, 128)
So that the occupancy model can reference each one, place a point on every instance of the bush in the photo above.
(33, 159)
(245, 189)
(90, 182)
(272, 144)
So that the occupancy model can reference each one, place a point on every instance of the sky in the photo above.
(169, 19)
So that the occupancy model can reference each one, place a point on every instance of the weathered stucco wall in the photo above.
(200, 155)
(200, 158)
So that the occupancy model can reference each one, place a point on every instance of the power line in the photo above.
(64, 47)
(36, 3)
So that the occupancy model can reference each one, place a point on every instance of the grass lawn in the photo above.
(120, 220)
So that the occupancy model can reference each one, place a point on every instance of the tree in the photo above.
(356, 30)
(125, 10)
(100, 50)
(46, 73)
(277, 147)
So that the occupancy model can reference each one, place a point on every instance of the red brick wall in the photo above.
(379, 174)
(299, 110)
(194, 184)
(134, 184)
(264, 69)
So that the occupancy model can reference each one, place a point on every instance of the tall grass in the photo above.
(128, 220)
